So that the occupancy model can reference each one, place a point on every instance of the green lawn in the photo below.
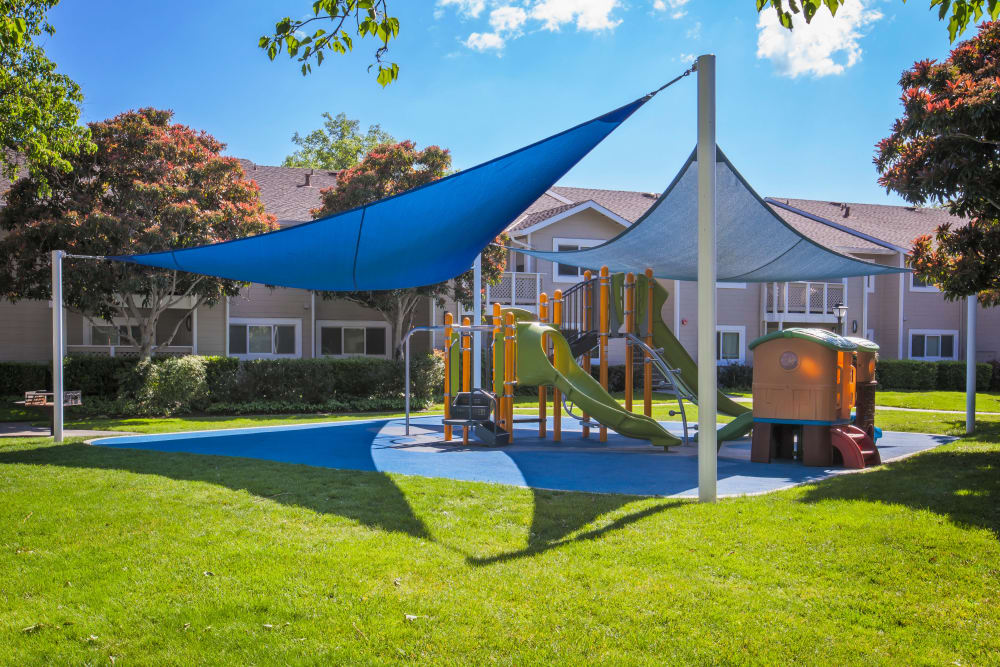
(178, 559)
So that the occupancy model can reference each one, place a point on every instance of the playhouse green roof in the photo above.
(864, 343)
(820, 336)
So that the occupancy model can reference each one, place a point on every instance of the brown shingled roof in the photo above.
(284, 191)
(826, 235)
(898, 225)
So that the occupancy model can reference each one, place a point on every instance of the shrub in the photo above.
(995, 380)
(895, 374)
(735, 376)
(17, 377)
(951, 376)
(172, 386)
(98, 376)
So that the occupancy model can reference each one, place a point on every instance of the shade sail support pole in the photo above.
(970, 365)
(57, 346)
(477, 319)
(707, 273)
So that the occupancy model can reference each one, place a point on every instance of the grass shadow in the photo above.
(370, 498)
(961, 482)
(560, 514)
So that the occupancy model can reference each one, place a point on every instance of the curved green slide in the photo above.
(579, 387)
(677, 357)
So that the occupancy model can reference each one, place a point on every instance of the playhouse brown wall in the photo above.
(820, 388)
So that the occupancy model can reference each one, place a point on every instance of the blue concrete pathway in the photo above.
(622, 465)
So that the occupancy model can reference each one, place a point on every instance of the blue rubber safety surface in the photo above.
(622, 465)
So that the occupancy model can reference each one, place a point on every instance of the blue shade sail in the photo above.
(419, 237)
(753, 243)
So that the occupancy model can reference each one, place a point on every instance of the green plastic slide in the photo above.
(578, 386)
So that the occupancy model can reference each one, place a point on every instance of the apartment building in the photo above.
(908, 319)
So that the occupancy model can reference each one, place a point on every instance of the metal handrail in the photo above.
(681, 391)
(406, 353)
(585, 422)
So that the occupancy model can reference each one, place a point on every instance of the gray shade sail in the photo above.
(753, 243)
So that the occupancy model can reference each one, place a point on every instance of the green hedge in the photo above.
(170, 385)
(893, 374)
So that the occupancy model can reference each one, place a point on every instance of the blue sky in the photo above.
(798, 114)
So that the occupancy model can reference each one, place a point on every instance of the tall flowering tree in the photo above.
(945, 149)
(388, 170)
(150, 185)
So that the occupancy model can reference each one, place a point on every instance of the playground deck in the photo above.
(622, 465)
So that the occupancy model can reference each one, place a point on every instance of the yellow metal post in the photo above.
(543, 315)
(510, 358)
(498, 365)
(558, 361)
(588, 318)
(630, 328)
(449, 319)
(605, 324)
(647, 367)
(466, 370)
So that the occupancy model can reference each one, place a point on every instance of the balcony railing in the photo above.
(788, 300)
(518, 289)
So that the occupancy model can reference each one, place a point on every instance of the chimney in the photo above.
(309, 177)
(847, 210)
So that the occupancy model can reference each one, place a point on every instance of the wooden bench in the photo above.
(44, 401)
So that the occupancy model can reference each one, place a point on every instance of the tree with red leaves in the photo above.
(386, 171)
(150, 186)
(946, 150)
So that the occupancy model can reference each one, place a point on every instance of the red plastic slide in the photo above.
(855, 446)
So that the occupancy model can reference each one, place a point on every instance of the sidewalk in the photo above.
(26, 430)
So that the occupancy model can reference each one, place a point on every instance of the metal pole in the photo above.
(477, 318)
(406, 353)
(707, 274)
(970, 365)
(57, 346)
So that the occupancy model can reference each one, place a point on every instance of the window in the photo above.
(264, 338)
(918, 285)
(729, 344)
(111, 334)
(932, 345)
(340, 339)
(563, 273)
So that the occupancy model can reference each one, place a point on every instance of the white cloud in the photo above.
(827, 46)
(470, 8)
(485, 41)
(686, 58)
(589, 15)
(507, 18)
(675, 6)
(694, 32)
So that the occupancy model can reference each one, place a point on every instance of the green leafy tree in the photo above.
(388, 170)
(39, 108)
(959, 13)
(945, 149)
(149, 186)
(333, 26)
(337, 145)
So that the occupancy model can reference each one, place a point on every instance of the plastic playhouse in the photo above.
(556, 349)
(805, 384)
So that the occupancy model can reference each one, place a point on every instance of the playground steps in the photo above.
(474, 409)
(583, 342)
(857, 449)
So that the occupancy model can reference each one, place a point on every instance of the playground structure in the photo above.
(555, 349)
(805, 383)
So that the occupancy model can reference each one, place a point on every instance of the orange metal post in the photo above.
(647, 367)
(543, 315)
(510, 358)
(557, 360)
(466, 369)
(604, 333)
(630, 328)
(588, 317)
(449, 319)
(498, 357)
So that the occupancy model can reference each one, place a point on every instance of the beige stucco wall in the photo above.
(212, 330)
(25, 331)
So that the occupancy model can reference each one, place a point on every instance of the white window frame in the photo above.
(580, 243)
(870, 284)
(918, 288)
(934, 332)
(88, 331)
(719, 285)
(353, 324)
(742, 331)
(268, 321)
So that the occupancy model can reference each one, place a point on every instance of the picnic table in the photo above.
(44, 401)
